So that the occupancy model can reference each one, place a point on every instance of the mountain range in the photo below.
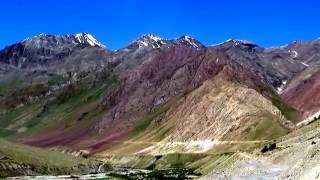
(161, 103)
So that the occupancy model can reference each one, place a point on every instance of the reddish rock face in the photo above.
(164, 75)
(303, 94)
(169, 73)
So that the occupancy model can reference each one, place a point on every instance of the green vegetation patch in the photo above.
(265, 129)
(63, 108)
(6, 132)
(16, 159)
(287, 111)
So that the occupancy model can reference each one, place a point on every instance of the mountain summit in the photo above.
(189, 41)
(45, 48)
(148, 40)
(85, 38)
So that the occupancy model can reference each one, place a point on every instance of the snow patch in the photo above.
(155, 38)
(293, 53)
(217, 44)
(235, 41)
(305, 64)
(142, 43)
(150, 41)
(280, 88)
(87, 38)
(239, 41)
(190, 41)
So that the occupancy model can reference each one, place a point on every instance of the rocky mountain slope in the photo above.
(302, 92)
(156, 96)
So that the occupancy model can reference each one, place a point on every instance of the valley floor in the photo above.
(296, 156)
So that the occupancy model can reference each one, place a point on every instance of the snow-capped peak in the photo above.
(189, 41)
(238, 41)
(243, 44)
(47, 39)
(153, 37)
(149, 40)
(87, 38)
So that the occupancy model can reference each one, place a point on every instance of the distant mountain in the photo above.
(148, 40)
(189, 41)
(43, 48)
(153, 41)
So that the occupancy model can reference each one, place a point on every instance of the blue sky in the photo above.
(118, 22)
